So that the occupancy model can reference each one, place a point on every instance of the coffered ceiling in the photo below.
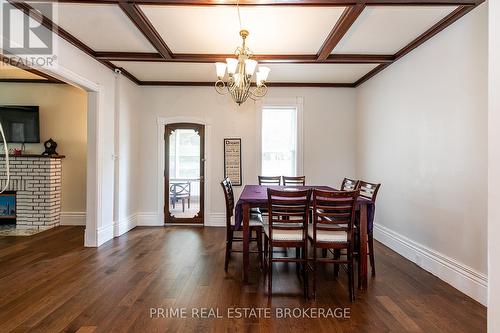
(304, 42)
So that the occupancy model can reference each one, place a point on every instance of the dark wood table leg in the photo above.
(363, 252)
(246, 236)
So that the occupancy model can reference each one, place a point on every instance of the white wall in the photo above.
(63, 117)
(127, 174)
(494, 169)
(422, 127)
(329, 141)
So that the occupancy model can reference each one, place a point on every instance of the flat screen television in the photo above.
(20, 123)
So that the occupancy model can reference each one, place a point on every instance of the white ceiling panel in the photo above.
(169, 71)
(215, 29)
(387, 29)
(318, 73)
(205, 72)
(11, 72)
(102, 27)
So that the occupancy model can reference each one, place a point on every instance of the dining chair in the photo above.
(349, 184)
(180, 191)
(332, 229)
(270, 180)
(255, 225)
(288, 220)
(369, 191)
(294, 181)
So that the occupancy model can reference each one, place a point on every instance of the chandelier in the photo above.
(240, 72)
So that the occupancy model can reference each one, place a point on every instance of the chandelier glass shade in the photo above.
(240, 71)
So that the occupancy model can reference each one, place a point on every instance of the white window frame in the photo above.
(283, 103)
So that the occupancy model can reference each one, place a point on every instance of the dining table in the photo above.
(255, 196)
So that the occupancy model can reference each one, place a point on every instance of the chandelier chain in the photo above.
(238, 9)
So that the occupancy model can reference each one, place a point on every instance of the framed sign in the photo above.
(232, 161)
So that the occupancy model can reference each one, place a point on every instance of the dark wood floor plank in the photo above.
(50, 283)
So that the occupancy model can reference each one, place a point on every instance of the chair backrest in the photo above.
(294, 181)
(288, 210)
(270, 180)
(349, 184)
(179, 189)
(227, 186)
(334, 210)
(368, 190)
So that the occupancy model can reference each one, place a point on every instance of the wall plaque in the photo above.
(232, 161)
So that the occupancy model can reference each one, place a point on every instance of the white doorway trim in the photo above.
(93, 214)
(161, 123)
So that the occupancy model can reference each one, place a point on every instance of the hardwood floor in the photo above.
(50, 283)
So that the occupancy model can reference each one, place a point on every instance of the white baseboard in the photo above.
(105, 234)
(150, 219)
(124, 225)
(215, 220)
(72, 218)
(460, 276)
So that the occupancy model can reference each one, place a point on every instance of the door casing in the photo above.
(200, 217)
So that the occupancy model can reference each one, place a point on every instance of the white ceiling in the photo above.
(102, 27)
(284, 30)
(205, 72)
(387, 29)
(11, 72)
(215, 29)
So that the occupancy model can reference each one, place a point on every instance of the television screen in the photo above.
(20, 124)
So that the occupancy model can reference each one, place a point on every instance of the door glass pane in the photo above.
(184, 173)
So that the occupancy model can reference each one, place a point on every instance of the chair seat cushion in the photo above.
(255, 220)
(285, 235)
(328, 236)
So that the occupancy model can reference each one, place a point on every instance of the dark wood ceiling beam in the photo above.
(322, 3)
(270, 84)
(130, 56)
(305, 2)
(146, 27)
(341, 27)
(272, 58)
(359, 58)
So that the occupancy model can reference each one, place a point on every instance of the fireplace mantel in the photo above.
(34, 155)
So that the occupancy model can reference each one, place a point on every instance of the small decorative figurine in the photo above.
(50, 147)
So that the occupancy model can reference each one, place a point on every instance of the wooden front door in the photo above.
(184, 173)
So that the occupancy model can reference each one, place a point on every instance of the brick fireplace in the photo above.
(36, 180)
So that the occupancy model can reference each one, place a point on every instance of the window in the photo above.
(279, 141)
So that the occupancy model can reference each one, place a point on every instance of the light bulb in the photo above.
(265, 72)
(221, 69)
(231, 65)
(250, 66)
